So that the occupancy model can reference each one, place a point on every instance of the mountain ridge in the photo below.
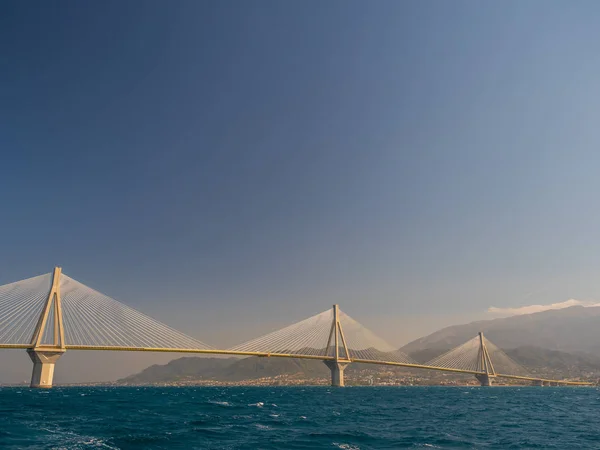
(572, 329)
(564, 343)
(540, 361)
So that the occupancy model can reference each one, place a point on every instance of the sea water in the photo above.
(299, 418)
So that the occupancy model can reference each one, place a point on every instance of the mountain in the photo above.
(255, 367)
(533, 358)
(243, 369)
(180, 369)
(229, 369)
(537, 360)
(564, 342)
(574, 329)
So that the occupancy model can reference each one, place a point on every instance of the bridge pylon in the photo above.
(48, 339)
(339, 363)
(484, 364)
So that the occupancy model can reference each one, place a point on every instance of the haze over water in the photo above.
(356, 418)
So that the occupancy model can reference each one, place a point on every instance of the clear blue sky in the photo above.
(251, 163)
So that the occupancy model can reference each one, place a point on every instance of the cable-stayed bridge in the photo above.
(50, 314)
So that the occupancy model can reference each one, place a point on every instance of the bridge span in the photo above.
(50, 314)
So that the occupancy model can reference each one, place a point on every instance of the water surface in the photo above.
(300, 418)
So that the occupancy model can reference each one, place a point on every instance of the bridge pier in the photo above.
(537, 383)
(43, 366)
(337, 372)
(484, 379)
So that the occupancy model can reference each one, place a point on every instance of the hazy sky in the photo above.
(229, 167)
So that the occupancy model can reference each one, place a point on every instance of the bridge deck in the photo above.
(54, 312)
(288, 355)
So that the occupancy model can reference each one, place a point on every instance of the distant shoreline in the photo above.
(156, 385)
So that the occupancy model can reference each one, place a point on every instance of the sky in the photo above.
(233, 167)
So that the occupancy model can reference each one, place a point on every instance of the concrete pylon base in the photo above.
(337, 372)
(43, 366)
(485, 380)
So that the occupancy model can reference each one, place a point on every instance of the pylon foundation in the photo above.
(484, 379)
(43, 367)
(337, 372)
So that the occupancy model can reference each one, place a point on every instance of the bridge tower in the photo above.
(338, 364)
(484, 364)
(48, 339)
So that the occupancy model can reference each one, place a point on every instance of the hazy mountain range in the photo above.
(536, 359)
(574, 329)
(227, 369)
(565, 341)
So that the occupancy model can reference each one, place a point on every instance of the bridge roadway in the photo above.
(288, 355)
(52, 313)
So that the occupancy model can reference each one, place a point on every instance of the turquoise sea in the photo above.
(300, 418)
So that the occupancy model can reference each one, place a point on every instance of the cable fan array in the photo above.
(468, 357)
(21, 304)
(311, 336)
(363, 344)
(307, 337)
(94, 320)
(503, 364)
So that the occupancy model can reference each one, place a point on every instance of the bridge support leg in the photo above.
(43, 367)
(537, 383)
(484, 379)
(337, 372)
